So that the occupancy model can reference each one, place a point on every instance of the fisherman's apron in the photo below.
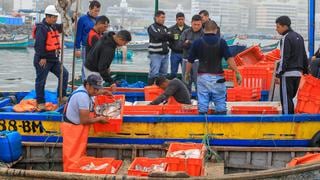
(74, 146)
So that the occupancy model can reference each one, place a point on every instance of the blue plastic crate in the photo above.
(11, 146)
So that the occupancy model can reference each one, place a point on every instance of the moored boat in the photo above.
(44, 161)
(14, 43)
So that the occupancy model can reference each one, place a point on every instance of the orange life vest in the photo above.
(53, 40)
(92, 34)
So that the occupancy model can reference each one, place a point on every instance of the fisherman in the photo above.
(175, 88)
(205, 18)
(46, 58)
(100, 57)
(97, 31)
(159, 35)
(211, 87)
(85, 24)
(293, 63)
(315, 64)
(77, 120)
(175, 46)
(187, 38)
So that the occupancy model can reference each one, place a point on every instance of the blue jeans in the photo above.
(83, 57)
(42, 74)
(210, 91)
(158, 65)
(193, 73)
(175, 61)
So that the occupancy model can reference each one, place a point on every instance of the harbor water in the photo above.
(18, 73)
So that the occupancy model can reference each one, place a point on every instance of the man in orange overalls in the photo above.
(77, 120)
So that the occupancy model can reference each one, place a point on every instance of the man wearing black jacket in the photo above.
(293, 63)
(101, 55)
(159, 37)
(176, 48)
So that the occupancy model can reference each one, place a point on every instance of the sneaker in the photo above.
(41, 107)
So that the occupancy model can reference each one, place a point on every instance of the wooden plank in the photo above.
(161, 147)
(269, 160)
(248, 158)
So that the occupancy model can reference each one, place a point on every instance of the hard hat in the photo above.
(51, 10)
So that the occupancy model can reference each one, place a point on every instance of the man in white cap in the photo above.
(46, 58)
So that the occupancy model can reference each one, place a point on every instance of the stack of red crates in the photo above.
(243, 94)
(192, 166)
(112, 168)
(308, 95)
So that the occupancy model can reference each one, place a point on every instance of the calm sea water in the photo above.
(18, 74)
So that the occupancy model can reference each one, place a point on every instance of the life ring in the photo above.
(315, 141)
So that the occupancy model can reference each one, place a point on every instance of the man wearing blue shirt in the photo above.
(85, 24)
(210, 49)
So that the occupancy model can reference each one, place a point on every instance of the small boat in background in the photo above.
(138, 45)
(13, 42)
(270, 47)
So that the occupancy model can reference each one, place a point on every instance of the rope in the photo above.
(206, 142)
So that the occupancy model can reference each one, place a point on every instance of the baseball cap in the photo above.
(95, 81)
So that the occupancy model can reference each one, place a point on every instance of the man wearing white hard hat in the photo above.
(46, 58)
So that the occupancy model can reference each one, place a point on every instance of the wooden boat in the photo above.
(14, 43)
(43, 161)
(224, 130)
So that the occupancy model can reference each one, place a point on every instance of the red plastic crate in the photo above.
(249, 56)
(243, 94)
(152, 92)
(193, 166)
(180, 109)
(256, 76)
(145, 162)
(113, 164)
(113, 125)
(254, 110)
(143, 110)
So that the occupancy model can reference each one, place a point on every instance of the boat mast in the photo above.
(156, 5)
(312, 5)
(74, 45)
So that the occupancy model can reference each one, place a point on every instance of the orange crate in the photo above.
(180, 109)
(143, 110)
(254, 110)
(152, 92)
(144, 162)
(243, 94)
(249, 56)
(113, 125)
(193, 166)
(113, 165)
(256, 76)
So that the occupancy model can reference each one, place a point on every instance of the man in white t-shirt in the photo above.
(77, 120)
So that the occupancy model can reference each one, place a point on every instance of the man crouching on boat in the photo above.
(46, 58)
(77, 118)
(175, 88)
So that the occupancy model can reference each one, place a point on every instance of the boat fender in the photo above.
(315, 141)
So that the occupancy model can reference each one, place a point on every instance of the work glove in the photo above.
(187, 78)
(239, 78)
